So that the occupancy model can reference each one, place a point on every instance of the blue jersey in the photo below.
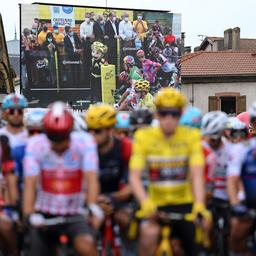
(18, 143)
(248, 176)
(243, 163)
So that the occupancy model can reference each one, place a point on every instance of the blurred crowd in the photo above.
(55, 55)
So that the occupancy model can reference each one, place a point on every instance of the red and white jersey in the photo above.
(61, 189)
(210, 162)
(217, 172)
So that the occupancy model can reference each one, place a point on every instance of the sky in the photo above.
(199, 17)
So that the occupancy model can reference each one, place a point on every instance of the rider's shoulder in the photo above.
(81, 137)
(188, 132)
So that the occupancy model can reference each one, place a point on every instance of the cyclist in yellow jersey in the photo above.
(141, 98)
(173, 157)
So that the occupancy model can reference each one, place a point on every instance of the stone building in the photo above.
(221, 80)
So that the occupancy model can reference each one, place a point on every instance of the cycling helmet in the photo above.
(34, 119)
(58, 122)
(79, 123)
(214, 122)
(123, 120)
(140, 53)
(192, 117)
(169, 98)
(100, 116)
(123, 76)
(14, 101)
(98, 46)
(129, 60)
(237, 128)
(244, 117)
(142, 85)
(141, 117)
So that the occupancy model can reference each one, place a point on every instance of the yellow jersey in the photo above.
(147, 102)
(167, 161)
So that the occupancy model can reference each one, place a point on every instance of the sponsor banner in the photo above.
(108, 83)
(62, 15)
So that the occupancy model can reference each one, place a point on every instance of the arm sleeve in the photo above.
(138, 157)
(196, 155)
(31, 162)
(90, 157)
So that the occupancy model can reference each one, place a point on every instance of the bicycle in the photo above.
(165, 220)
(64, 245)
(221, 227)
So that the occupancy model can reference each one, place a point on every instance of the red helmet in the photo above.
(123, 76)
(58, 122)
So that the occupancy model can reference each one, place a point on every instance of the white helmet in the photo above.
(235, 124)
(79, 122)
(34, 119)
(252, 110)
(214, 122)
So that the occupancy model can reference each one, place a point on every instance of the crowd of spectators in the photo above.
(53, 54)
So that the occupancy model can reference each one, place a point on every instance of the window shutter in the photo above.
(212, 103)
(241, 104)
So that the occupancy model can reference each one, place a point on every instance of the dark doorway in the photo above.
(228, 104)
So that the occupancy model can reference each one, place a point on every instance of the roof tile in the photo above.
(222, 63)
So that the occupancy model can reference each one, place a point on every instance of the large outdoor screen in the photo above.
(75, 53)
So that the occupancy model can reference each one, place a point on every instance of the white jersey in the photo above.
(61, 189)
(237, 156)
(222, 156)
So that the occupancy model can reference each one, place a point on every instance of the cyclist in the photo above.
(216, 152)
(141, 99)
(13, 108)
(8, 195)
(174, 162)
(34, 121)
(134, 75)
(114, 154)
(242, 168)
(129, 66)
(65, 161)
(167, 69)
(149, 68)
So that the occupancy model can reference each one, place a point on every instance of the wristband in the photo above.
(96, 211)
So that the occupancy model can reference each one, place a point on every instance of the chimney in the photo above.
(236, 39)
(228, 39)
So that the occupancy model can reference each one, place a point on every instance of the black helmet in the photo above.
(141, 117)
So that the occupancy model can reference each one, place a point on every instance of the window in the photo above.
(231, 103)
(228, 105)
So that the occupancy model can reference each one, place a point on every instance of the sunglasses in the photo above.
(12, 111)
(96, 131)
(173, 113)
(34, 132)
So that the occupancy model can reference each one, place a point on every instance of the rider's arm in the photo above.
(31, 171)
(90, 169)
(196, 164)
(233, 173)
(29, 195)
(123, 97)
(137, 165)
